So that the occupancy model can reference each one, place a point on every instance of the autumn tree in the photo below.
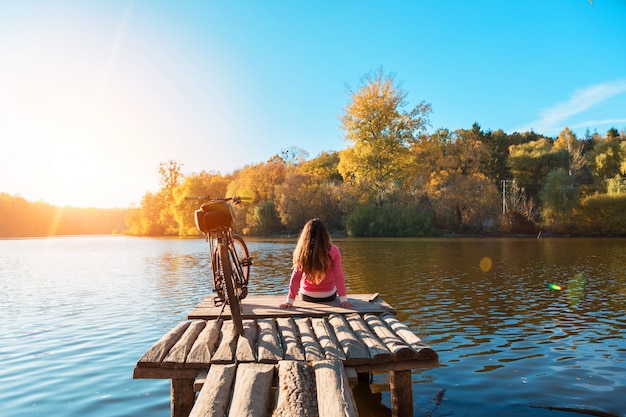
(324, 166)
(568, 140)
(195, 184)
(155, 215)
(306, 193)
(605, 160)
(380, 133)
(257, 182)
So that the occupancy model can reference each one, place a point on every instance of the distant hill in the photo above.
(22, 218)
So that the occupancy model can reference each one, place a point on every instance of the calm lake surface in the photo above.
(77, 313)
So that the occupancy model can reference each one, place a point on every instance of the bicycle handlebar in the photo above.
(206, 198)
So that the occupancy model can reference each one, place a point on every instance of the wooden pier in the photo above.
(289, 362)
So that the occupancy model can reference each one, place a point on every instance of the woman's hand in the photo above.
(286, 305)
(346, 304)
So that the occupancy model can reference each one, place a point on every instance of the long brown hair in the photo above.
(311, 253)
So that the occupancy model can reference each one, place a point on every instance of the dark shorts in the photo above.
(318, 300)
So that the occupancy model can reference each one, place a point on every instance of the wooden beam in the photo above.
(158, 351)
(326, 337)
(292, 349)
(312, 349)
(246, 344)
(183, 396)
(296, 390)
(402, 330)
(225, 352)
(401, 393)
(355, 351)
(178, 353)
(214, 396)
(205, 345)
(268, 345)
(378, 351)
(251, 393)
(334, 395)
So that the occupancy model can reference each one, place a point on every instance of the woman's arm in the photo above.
(340, 280)
(294, 286)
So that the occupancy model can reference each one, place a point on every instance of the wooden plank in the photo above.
(292, 349)
(373, 297)
(178, 353)
(246, 345)
(254, 306)
(355, 351)
(158, 351)
(378, 351)
(334, 396)
(327, 340)
(205, 345)
(400, 350)
(214, 396)
(268, 345)
(312, 349)
(251, 394)
(225, 352)
(297, 396)
(402, 330)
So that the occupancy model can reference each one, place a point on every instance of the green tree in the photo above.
(559, 198)
(380, 133)
(531, 162)
(605, 160)
(495, 165)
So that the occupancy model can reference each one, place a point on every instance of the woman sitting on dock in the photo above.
(318, 261)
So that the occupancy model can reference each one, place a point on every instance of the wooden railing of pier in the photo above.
(311, 353)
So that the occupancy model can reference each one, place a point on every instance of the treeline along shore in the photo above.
(394, 178)
(22, 218)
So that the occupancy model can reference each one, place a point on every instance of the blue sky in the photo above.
(93, 95)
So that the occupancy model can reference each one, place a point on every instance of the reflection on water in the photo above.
(504, 337)
(78, 312)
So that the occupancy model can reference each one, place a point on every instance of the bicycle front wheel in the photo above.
(233, 300)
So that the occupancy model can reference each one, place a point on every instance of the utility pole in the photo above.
(503, 197)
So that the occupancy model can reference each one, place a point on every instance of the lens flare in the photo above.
(555, 287)
(486, 264)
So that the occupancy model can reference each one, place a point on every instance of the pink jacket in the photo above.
(334, 280)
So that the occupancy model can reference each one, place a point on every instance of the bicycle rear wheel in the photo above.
(241, 262)
(243, 256)
(232, 299)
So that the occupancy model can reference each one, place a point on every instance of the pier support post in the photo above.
(183, 397)
(401, 393)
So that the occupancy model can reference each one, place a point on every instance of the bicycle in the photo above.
(230, 259)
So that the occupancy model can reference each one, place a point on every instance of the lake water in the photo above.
(77, 313)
